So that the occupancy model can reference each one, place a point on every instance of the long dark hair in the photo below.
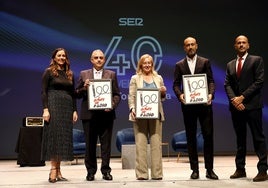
(54, 66)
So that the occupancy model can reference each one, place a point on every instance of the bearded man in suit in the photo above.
(243, 84)
(190, 65)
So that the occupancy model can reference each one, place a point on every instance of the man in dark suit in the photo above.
(97, 124)
(190, 65)
(243, 83)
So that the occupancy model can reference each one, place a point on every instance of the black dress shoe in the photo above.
(211, 175)
(90, 177)
(107, 176)
(195, 174)
(239, 174)
(160, 178)
(141, 178)
(61, 179)
(261, 176)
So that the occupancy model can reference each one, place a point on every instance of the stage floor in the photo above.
(176, 174)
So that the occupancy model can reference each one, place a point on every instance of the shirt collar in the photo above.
(244, 56)
(99, 71)
(191, 60)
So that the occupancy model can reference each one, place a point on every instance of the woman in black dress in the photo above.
(59, 113)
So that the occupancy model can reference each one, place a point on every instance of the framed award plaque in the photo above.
(99, 94)
(195, 88)
(147, 103)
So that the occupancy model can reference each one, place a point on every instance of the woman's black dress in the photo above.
(57, 96)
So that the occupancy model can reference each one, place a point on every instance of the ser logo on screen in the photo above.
(130, 21)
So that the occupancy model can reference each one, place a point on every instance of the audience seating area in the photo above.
(126, 137)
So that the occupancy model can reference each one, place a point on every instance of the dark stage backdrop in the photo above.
(31, 30)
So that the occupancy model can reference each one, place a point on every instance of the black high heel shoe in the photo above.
(52, 175)
(59, 176)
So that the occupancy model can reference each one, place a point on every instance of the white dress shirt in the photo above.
(191, 63)
(97, 74)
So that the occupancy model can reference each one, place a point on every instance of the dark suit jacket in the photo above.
(182, 68)
(81, 92)
(249, 84)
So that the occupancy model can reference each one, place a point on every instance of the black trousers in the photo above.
(204, 114)
(98, 128)
(252, 118)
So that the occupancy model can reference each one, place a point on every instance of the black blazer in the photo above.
(182, 68)
(81, 92)
(249, 84)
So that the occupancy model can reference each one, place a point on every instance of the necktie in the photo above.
(239, 67)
